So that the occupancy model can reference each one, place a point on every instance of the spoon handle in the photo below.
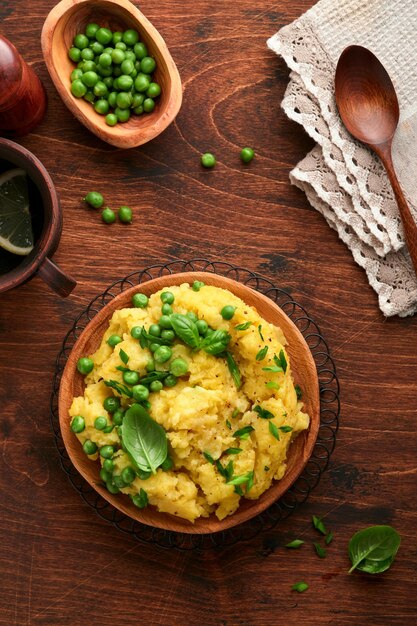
(410, 226)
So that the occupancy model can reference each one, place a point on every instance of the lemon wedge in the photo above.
(16, 233)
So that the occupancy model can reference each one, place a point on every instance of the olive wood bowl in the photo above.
(70, 17)
(303, 369)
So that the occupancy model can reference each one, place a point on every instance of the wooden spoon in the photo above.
(368, 106)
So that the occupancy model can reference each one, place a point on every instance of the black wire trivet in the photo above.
(329, 412)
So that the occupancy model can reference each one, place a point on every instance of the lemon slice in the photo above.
(16, 233)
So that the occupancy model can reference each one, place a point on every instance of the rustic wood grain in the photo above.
(61, 564)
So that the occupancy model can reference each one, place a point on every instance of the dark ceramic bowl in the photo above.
(47, 226)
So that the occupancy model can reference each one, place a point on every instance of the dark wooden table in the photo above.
(60, 563)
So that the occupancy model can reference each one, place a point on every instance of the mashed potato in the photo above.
(204, 410)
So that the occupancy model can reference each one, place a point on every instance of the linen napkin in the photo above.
(342, 178)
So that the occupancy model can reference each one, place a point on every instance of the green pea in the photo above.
(108, 465)
(121, 45)
(131, 378)
(105, 475)
(162, 354)
(111, 487)
(91, 30)
(208, 160)
(165, 321)
(106, 452)
(168, 334)
(147, 65)
(247, 155)
(155, 330)
(170, 381)
(192, 316)
(137, 100)
(118, 56)
(140, 300)
(97, 47)
(123, 100)
(102, 106)
(125, 82)
(105, 60)
(125, 215)
(118, 417)
(100, 422)
(136, 332)
(108, 81)
(105, 72)
(87, 54)
(78, 89)
(123, 115)
(197, 284)
(154, 347)
(127, 67)
(113, 340)
(94, 199)
(138, 110)
(112, 99)
(228, 312)
(156, 386)
(104, 36)
(167, 464)
(140, 500)
(111, 119)
(76, 74)
(128, 475)
(108, 429)
(202, 326)
(142, 474)
(111, 404)
(89, 447)
(117, 37)
(130, 37)
(108, 216)
(166, 309)
(153, 91)
(150, 366)
(88, 66)
(85, 365)
(77, 424)
(140, 50)
(148, 105)
(178, 367)
(81, 41)
(140, 392)
(141, 83)
(89, 78)
(74, 54)
(89, 96)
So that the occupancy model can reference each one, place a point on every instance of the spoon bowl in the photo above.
(70, 17)
(368, 106)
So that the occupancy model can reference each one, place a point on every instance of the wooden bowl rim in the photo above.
(118, 135)
(151, 516)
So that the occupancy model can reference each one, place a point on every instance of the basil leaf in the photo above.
(300, 587)
(263, 413)
(123, 356)
(321, 552)
(209, 458)
(119, 387)
(233, 369)
(233, 451)
(373, 547)
(243, 431)
(186, 330)
(319, 525)
(274, 430)
(298, 391)
(144, 439)
(243, 326)
(216, 343)
(260, 332)
(296, 543)
(262, 354)
(285, 429)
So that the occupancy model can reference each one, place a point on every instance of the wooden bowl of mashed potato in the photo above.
(238, 421)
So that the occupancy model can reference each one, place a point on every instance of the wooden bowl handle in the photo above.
(61, 283)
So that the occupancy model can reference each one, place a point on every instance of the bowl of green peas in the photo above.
(112, 69)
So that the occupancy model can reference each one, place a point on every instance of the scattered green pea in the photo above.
(166, 309)
(178, 367)
(89, 447)
(77, 424)
(167, 297)
(208, 160)
(128, 475)
(85, 365)
(202, 326)
(108, 216)
(111, 487)
(140, 300)
(247, 155)
(155, 330)
(136, 332)
(111, 404)
(94, 199)
(228, 312)
(125, 215)
(168, 334)
(140, 393)
(113, 340)
(156, 385)
(197, 284)
(100, 422)
(162, 354)
(131, 378)
(108, 465)
(118, 417)
(106, 452)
